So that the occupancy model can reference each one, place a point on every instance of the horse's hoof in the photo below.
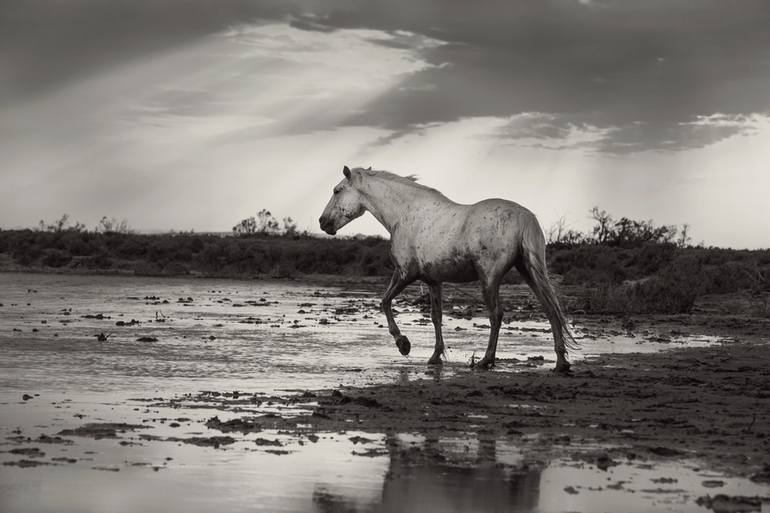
(563, 368)
(403, 345)
(435, 360)
(485, 364)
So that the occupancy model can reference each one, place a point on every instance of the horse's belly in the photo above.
(451, 268)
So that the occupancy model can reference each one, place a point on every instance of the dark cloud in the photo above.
(44, 43)
(641, 68)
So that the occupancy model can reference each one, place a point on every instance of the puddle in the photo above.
(329, 472)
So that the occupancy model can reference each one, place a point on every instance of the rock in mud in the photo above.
(722, 503)
(240, 425)
(666, 452)
(30, 452)
(26, 463)
(45, 439)
(204, 441)
(106, 469)
(603, 462)
(265, 441)
(64, 459)
(360, 440)
(99, 431)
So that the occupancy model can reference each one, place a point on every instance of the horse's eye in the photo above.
(337, 191)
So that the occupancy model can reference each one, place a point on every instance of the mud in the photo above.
(103, 430)
(297, 383)
(712, 404)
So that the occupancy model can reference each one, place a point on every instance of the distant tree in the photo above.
(560, 234)
(684, 237)
(263, 224)
(556, 230)
(628, 232)
(266, 223)
(60, 225)
(246, 227)
(289, 226)
(603, 227)
(112, 225)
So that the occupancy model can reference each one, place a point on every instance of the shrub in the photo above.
(53, 257)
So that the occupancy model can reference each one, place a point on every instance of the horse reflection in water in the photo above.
(427, 478)
(436, 240)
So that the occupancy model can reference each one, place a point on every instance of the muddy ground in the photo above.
(705, 404)
(711, 404)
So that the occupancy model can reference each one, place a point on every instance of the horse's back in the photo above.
(496, 229)
(498, 219)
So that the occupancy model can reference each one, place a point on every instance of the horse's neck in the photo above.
(389, 201)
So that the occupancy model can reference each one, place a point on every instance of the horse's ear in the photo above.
(369, 168)
(346, 172)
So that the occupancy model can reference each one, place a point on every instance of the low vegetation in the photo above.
(620, 267)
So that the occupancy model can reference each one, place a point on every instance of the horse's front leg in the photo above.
(435, 314)
(397, 284)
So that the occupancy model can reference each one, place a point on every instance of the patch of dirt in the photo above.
(205, 441)
(30, 452)
(26, 463)
(101, 430)
(730, 504)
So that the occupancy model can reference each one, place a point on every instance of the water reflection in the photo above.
(445, 475)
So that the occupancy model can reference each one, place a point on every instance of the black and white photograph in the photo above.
(358, 256)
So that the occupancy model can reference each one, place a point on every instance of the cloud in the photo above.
(643, 69)
(550, 131)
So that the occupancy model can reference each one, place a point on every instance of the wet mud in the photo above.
(297, 399)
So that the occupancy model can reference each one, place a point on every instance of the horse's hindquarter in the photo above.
(494, 229)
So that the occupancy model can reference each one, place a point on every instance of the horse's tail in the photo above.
(531, 265)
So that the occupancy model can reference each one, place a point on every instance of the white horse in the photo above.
(434, 239)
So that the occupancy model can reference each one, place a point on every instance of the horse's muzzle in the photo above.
(326, 226)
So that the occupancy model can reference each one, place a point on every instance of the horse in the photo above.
(435, 240)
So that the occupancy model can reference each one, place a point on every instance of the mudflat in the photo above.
(710, 403)
(244, 396)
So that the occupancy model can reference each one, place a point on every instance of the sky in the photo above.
(192, 114)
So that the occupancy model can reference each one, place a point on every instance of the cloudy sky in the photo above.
(192, 114)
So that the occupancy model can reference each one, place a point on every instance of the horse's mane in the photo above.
(410, 180)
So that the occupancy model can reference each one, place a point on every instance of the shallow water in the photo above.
(231, 335)
(268, 338)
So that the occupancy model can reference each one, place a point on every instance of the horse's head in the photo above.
(345, 204)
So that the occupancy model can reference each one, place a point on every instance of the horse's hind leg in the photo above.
(532, 269)
(436, 314)
(490, 288)
(397, 284)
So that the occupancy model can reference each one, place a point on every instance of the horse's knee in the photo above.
(496, 316)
